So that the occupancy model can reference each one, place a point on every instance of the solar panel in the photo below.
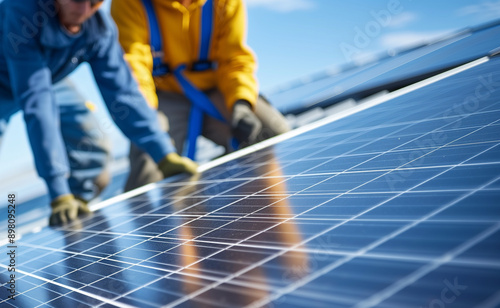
(390, 73)
(396, 205)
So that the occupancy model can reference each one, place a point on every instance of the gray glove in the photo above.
(245, 126)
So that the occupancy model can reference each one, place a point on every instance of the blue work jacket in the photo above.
(36, 51)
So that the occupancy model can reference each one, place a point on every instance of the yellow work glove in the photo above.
(83, 208)
(174, 164)
(67, 208)
(64, 210)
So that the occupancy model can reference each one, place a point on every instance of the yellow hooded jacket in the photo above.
(180, 28)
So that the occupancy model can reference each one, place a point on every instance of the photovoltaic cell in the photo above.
(394, 206)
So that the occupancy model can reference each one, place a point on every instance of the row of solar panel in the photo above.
(390, 73)
(393, 206)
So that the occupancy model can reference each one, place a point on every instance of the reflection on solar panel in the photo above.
(393, 206)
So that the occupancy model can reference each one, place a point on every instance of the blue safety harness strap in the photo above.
(206, 31)
(159, 68)
(201, 104)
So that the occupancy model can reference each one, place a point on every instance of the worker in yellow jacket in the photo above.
(187, 55)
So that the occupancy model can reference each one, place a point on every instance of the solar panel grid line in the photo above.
(372, 141)
(83, 284)
(102, 299)
(100, 279)
(464, 136)
(102, 243)
(124, 262)
(48, 281)
(385, 170)
(363, 251)
(37, 301)
(330, 251)
(269, 258)
(398, 285)
(443, 172)
(34, 299)
(302, 219)
(41, 256)
(172, 202)
(393, 257)
(242, 245)
(246, 285)
(395, 132)
(76, 254)
(317, 274)
(47, 303)
(341, 115)
(240, 284)
(326, 92)
(420, 147)
(145, 214)
(101, 259)
(136, 226)
(200, 260)
(360, 193)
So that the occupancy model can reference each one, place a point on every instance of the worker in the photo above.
(192, 63)
(43, 42)
(87, 147)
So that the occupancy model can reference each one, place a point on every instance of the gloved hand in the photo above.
(83, 208)
(65, 207)
(245, 125)
(173, 164)
(64, 210)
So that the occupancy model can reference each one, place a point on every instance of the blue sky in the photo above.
(296, 38)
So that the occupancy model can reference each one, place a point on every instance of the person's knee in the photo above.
(143, 170)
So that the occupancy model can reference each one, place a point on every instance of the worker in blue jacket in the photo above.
(87, 147)
(42, 42)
